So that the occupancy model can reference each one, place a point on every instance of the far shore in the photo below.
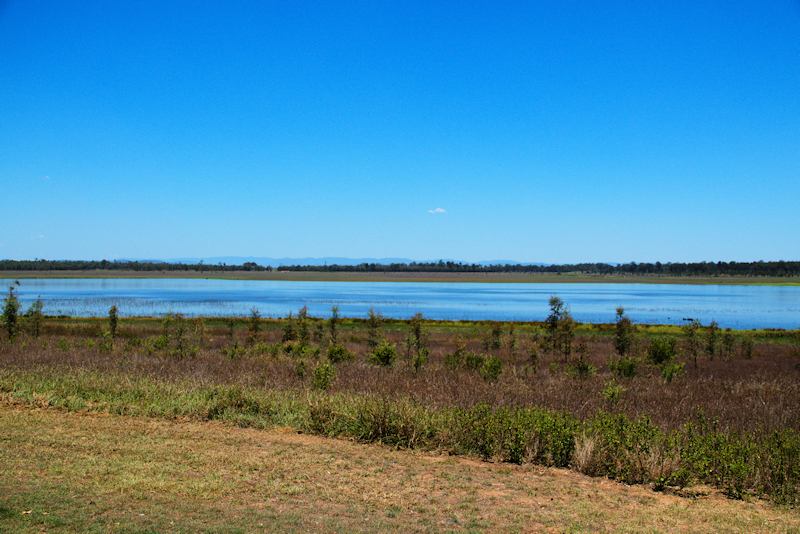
(316, 276)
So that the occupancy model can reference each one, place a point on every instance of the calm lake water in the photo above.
(738, 307)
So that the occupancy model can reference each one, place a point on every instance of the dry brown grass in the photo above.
(742, 395)
(81, 472)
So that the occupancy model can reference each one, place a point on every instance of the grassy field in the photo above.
(414, 277)
(221, 425)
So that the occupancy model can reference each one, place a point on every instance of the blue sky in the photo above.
(556, 132)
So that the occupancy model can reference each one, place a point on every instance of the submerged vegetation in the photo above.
(612, 400)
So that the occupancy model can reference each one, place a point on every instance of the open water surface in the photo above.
(738, 307)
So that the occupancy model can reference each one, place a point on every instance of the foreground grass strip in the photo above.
(613, 446)
(92, 472)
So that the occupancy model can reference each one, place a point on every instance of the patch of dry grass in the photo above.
(85, 472)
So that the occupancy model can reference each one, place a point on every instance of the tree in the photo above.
(11, 314)
(255, 322)
(374, 325)
(333, 323)
(35, 316)
(692, 339)
(624, 334)
(289, 330)
(511, 341)
(561, 327)
(113, 319)
(728, 342)
(711, 340)
(416, 330)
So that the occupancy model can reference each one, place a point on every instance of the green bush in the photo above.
(671, 370)
(473, 361)
(580, 369)
(384, 354)
(456, 359)
(160, 343)
(624, 367)
(491, 369)
(323, 375)
(226, 400)
(661, 350)
(338, 353)
(518, 434)
(420, 359)
(627, 450)
(612, 392)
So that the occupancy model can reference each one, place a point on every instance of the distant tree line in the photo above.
(760, 268)
(105, 265)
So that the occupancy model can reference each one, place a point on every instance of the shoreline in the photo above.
(400, 277)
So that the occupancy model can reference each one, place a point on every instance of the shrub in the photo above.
(455, 359)
(420, 359)
(671, 370)
(661, 350)
(323, 375)
(338, 353)
(491, 369)
(612, 392)
(384, 354)
(222, 399)
(624, 367)
(536, 435)
(473, 361)
(307, 351)
(580, 369)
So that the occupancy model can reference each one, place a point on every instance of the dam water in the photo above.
(731, 306)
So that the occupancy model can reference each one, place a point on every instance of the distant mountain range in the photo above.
(277, 262)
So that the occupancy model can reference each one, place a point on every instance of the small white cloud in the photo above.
(437, 210)
(41, 237)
